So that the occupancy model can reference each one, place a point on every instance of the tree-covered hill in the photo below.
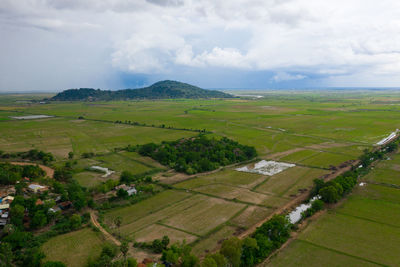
(159, 90)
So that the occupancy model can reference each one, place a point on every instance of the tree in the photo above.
(6, 255)
(54, 264)
(165, 241)
(189, 261)
(232, 250)
(118, 221)
(329, 194)
(157, 246)
(39, 219)
(132, 262)
(209, 262)
(71, 155)
(121, 193)
(17, 214)
(124, 248)
(75, 221)
(249, 254)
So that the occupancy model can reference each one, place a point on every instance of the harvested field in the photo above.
(250, 216)
(157, 231)
(289, 182)
(74, 249)
(209, 244)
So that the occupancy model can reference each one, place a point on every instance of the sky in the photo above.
(52, 45)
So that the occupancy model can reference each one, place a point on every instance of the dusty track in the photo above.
(107, 235)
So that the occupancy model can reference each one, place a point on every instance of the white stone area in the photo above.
(295, 215)
(389, 138)
(31, 117)
(267, 167)
(107, 171)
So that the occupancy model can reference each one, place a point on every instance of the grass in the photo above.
(365, 239)
(349, 122)
(301, 253)
(288, 182)
(227, 176)
(73, 249)
(204, 246)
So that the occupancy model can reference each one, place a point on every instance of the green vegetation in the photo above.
(10, 173)
(159, 90)
(312, 129)
(198, 154)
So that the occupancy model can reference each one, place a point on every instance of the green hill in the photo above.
(159, 90)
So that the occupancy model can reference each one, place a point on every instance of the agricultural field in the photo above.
(363, 231)
(74, 248)
(315, 131)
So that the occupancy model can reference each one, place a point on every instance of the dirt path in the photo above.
(49, 171)
(106, 234)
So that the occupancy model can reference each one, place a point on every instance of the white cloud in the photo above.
(283, 76)
(332, 38)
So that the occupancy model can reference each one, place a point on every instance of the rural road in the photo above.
(106, 234)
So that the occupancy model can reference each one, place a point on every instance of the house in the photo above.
(54, 209)
(38, 202)
(4, 215)
(65, 205)
(3, 222)
(37, 188)
(7, 200)
(4, 206)
(131, 191)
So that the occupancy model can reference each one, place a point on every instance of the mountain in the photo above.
(159, 90)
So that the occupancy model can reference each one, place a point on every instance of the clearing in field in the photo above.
(75, 248)
(267, 167)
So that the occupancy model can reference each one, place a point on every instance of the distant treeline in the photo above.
(198, 154)
(162, 126)
(159, 90)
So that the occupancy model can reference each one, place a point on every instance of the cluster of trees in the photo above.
(159, 126)
(316, 205)
(198, 154)
(179, 255)
(10, 173)
(33, 154)
(108, 255)
(252, 250)
(22, 248)
(157, 246)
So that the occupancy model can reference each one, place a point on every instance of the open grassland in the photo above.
(301, 253)
(60, 136)
(74, 249)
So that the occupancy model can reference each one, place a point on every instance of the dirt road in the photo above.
(106, 234)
